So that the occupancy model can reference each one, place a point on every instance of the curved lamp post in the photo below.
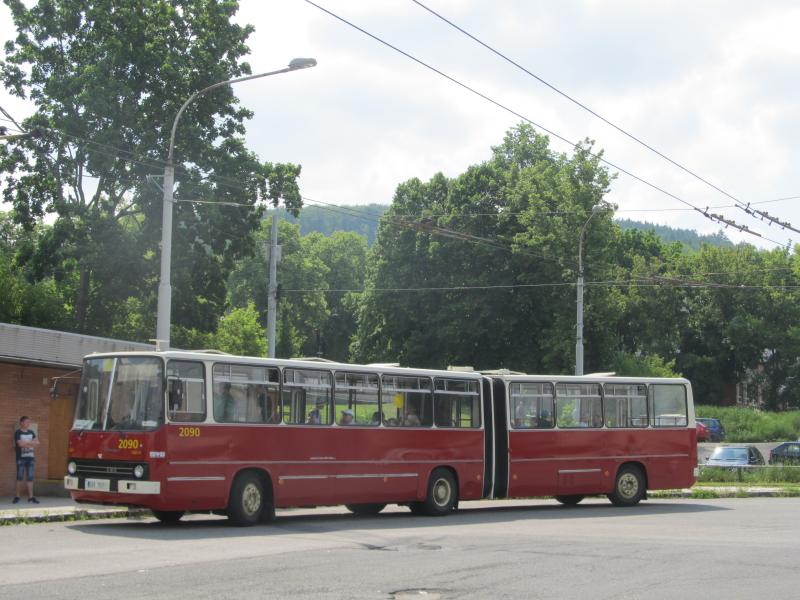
(164, 286)
(597, 208)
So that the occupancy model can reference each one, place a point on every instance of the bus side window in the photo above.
(186, 396)
(307, 397)
(456, 403)
(668, 405)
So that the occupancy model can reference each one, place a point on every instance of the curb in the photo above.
(63, 514)
(69, 514)
(702, 492)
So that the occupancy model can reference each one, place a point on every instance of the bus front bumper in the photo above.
(119, 486)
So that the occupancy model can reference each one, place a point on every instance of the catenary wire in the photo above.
(739, 203)
(519, 115)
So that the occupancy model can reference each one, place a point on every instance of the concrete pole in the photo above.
(579, 337)
(164, 315)
(272, 289)
(164, 285)
(579, 325)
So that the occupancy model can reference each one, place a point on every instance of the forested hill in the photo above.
(688, 237)
(363, 219)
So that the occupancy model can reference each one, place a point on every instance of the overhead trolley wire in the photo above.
(712, 217)
(739, 203)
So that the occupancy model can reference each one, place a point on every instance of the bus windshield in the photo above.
(124, 393)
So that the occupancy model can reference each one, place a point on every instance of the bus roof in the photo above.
(216, 356)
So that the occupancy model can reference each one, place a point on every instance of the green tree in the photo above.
(512, 220)
(629, 365)
(301, 314)
(345, 256)
(107, 78)
(239, 332)
(34, 303)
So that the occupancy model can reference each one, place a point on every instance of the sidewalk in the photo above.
(58, 509)
(64, 509)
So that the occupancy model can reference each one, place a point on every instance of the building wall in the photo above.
(25, 390)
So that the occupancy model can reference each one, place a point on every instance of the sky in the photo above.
(713, 85)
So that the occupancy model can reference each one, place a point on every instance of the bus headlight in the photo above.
(138, 471)
(72, 467)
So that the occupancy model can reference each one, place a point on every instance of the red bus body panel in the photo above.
(585, 461)
(307, 465)
(192, 466)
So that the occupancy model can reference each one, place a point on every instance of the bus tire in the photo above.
(365, 510)
(168, 516)
(570, 500)
(629, 487)
(442, 494)
(247, 500)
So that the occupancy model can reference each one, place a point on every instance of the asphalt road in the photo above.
(737, 548)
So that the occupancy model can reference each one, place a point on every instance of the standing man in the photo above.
(24, 443)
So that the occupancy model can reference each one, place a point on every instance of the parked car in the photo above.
(716, 432)
(735, 456)
(702, 432)
(786, 453)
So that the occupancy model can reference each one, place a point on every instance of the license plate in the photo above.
(97, 485)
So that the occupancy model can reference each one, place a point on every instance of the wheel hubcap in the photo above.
(251, 499)
(441, 492)
(628, 485)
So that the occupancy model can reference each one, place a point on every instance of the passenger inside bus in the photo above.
(313, 417)
(347, 417)
(223, 399)
(412, 420)
(441, 414)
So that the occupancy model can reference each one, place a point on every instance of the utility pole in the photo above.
(272, 288)
(579, 324)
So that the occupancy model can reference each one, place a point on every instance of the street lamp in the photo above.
(597, 208)
(164, 286)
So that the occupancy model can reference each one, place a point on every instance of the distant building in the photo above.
(39, 377)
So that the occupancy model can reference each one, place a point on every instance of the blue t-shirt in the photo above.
(27, 436)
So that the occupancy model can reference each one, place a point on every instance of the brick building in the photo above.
(39, 377)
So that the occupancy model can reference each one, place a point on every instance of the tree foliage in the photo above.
(107, 79)
(521, 213)
(719, 315)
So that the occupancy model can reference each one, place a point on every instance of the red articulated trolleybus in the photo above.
(199, 431)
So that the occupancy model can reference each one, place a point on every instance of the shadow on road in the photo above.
(305, 521)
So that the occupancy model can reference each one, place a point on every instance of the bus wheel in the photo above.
(569, 500)
(168, 516)
(629, 488)
(365, 510)
(442, 494)
(247, 500)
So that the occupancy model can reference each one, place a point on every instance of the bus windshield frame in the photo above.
(124, 393)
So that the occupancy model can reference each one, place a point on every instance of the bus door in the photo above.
(488, 440)
(500, 430)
